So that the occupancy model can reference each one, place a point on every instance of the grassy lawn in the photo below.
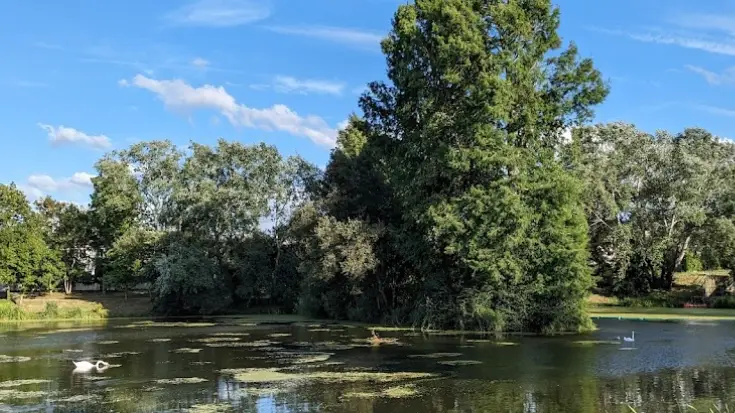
(115, 303)
(663, 314)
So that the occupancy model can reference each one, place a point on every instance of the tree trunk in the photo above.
(67, 286)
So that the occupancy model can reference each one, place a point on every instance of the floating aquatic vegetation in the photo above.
(258, 343)
(233, 334)
(152, 388)
(13, 359)
(594, 342)
(108, 342)
(95, 378)
(166, 324)
(279, 335)
(215, 339)
(435, 355)
(255, 375)
(19, 394)
(265, 391)
(209, 408)
(186, 350)
(377, 341)
(159, 340)
(119, 354)
(385, 328)
(397, 392)
(459, 362)
(18, 383)
(181, 380)
(68, 330)
(493, 342)
(79, 398)
(327, 345)
(311, 358)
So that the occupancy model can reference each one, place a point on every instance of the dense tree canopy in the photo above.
(455, 200)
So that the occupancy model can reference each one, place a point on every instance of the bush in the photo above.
(727, 301)
(50, 311)
(668, 299)
(10, 311)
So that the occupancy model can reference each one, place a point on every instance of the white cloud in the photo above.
(724, 78)
(220, 13)
(288, 84)
(707, 22)
(179, 95)
(45, 183)
(710, 45)
(200, 63)
(64, 135)
(30, 192)
(343, 124)
(352, 37)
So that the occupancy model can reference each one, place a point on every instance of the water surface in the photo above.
(234, 365)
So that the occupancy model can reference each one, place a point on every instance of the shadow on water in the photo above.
(201, 367)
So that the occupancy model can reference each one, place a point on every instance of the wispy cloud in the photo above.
(709, 33)
(706, 22)
(727, 77)
(26, 84)
(716, 110)
(178, 95)
(219, 13)
(288, 84)
(200, 63)
(65, 135)
(349, 36)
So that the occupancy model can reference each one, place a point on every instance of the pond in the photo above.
(236, 365)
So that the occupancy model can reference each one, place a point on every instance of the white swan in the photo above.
(630, 339)
(87, 366)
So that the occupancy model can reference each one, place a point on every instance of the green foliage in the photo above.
(26, 261)
(727, 301)
(655, 203)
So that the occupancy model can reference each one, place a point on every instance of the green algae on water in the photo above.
(186, 350)
(6, 394)
(166, 324)
(79, 398)
(257, 343)
(13, 359)
(233, 334)
(271, 375)
(209, 408)
(181, 380)
(215, 339)
(459, 362)
(435, 355)
(594, 342)
(18, 383)
(493, 342)
(396, 392)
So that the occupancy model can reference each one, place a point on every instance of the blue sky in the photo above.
(80, 77)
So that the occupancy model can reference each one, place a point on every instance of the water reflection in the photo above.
(668, 366)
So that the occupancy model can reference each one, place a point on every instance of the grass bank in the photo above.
(663, 314)
(79, 306)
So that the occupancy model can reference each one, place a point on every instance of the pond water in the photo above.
(234, 365)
